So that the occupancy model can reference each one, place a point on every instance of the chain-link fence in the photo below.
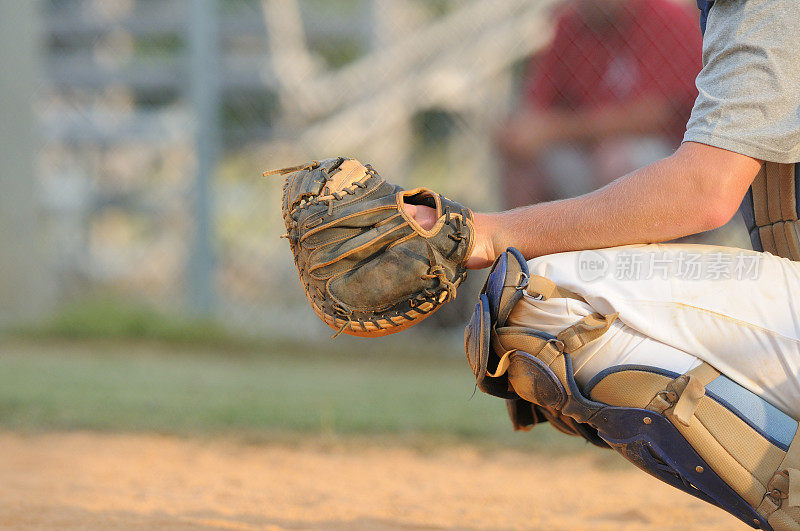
(156, 118)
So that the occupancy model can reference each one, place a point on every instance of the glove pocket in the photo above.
(382, 283)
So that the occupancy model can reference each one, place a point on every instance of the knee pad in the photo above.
(700, 432)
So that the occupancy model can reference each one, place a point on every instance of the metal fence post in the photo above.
(26, 282)
(205, 97)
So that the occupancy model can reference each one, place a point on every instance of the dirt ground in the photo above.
(89, 480)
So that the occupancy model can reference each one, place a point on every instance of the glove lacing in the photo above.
(436, 271)
(345, 313)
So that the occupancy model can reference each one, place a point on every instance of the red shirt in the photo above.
(652, 49)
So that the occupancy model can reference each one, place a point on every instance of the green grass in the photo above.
(128, 386)
(107, 316)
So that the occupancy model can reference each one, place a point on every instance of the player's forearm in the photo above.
(696, 189)
(629, 210)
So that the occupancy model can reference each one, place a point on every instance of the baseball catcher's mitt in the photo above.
(368, 268)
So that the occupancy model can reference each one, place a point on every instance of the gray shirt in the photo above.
(749, 87)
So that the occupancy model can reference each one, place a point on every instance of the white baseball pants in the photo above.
(678, 304)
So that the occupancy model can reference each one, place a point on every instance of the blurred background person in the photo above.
(611, 92)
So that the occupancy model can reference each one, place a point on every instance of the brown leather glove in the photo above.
(368, 268)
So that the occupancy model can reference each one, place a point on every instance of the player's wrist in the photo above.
(487, 243)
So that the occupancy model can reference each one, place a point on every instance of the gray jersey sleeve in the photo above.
(749, 87)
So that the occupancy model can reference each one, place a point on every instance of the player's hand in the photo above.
(425, 216)
(483, 253)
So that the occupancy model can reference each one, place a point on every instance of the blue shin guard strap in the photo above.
(653, 444)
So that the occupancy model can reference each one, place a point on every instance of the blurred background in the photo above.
(144, 284)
